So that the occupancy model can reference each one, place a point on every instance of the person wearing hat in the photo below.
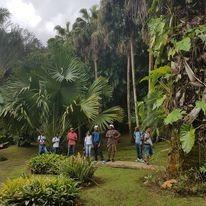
(96, 141)
(72, 139)
(112, 141)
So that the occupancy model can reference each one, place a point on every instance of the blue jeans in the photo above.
(71, 150)
(88, 149)
(42, 149)
(148, 151)
(139, 150)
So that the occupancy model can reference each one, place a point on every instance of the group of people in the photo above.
(144, 145)
(93, 143)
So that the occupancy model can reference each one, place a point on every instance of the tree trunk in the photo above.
(95, 69)
(134, 81)
(151, 65)
(174, 156)
(128, 94)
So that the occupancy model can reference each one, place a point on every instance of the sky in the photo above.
(41, 16)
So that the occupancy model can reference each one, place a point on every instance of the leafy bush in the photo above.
(191, 182)
(78, 168)
(45, 163)
(39, 190)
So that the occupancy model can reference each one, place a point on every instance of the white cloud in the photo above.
(23, 13)
(41, 16)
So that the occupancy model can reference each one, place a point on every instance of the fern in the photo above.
(187, 137)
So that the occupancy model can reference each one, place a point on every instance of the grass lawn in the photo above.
(16, 163)
(118, 186)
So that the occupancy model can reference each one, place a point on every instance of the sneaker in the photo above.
(141, 160)
(137, 160)
(103, 162)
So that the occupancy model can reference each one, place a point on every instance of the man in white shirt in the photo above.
(42, 145)
(55, 141)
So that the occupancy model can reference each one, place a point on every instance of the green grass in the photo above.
(121, 187)
(16, 163)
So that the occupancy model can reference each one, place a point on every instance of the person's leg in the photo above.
(109, 149)
(114, 149)
(89, 150)
(73, 149)
(100, 153)
(95, 152)
(69, 150)
(86, 150)
(138, 147)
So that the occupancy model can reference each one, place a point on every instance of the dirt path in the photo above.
(133, 165)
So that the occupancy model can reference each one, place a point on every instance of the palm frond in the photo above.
(106, 117)
(100, 87)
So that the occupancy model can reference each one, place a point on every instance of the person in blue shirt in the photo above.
(96, 141)
(138, 135)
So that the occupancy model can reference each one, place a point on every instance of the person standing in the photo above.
(88, 144)
(42, 143)
(96, 140)
(56, 141)
(112, 141)
(138, 135)
(72, 139)
(147, 145)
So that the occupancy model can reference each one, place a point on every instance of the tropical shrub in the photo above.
(39, 190)
(45, 164)
(78, 168)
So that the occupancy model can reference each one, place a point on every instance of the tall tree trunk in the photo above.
(95, 69)
(151, 65)
(128, 94)
(134, 81)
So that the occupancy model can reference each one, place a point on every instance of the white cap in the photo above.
(96, 126)
(111, 125)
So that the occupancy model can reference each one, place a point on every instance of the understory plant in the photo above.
(39, 190)
(75, 167)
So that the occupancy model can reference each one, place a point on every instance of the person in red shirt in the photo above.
(71, 139)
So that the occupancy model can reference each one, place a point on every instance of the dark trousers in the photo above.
(98, 152)
(71, 150)
(139, 151)
(55, 150)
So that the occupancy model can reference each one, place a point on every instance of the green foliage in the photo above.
(45, 164)
(201, 105)
(174, 116)
(159, 35)
(159, 102)
(156, 74)
(179, 46)
(187, 137)
(78, 168)
(39, 190)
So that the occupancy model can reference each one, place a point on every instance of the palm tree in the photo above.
(87, 34)
(4, 15)
(65, 33)
(60, 97)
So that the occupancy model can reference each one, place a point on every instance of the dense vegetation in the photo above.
(146, 58)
